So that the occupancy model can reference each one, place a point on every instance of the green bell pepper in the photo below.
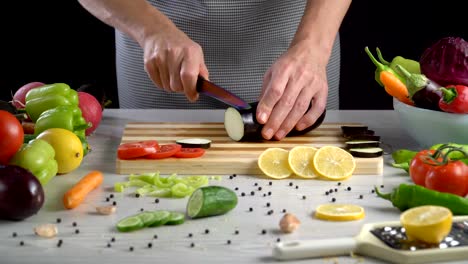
(67, 117)
(38, 156)
(47, 97)
(411, 66)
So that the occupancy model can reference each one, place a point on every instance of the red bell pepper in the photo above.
(454, 99)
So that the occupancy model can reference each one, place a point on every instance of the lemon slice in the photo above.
(300, 160)
(429, 223)
(333, 163)
(273, 162)
(339, 212)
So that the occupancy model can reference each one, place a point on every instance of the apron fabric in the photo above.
(240, 39)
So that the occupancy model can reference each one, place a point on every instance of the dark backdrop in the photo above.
(59, 41)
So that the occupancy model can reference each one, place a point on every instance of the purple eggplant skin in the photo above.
(21, 194)
(253, 129)
(428, 97)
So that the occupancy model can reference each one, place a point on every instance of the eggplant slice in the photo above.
(366, 152)
(194, 143)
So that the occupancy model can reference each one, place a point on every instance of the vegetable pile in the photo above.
(438, 81)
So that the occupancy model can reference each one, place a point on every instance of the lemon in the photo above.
(300, 160)
(428, 223)
(273, 162)
(339, 212)
(67, 146)
(333, 163)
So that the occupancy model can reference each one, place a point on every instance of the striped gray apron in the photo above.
(240, 40)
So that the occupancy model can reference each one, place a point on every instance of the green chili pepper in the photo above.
(381, 67)
(410, 65)
(65, 116)
(407, 196)
(37, 156)
(47, 97)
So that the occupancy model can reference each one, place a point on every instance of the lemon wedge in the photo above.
(428, 223)
(339, 212)
(333, 163)
(273, 162)
(300, 160)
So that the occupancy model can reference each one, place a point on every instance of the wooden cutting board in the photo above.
(226, 156)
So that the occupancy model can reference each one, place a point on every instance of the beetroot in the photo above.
(91, 109)
(19, 100)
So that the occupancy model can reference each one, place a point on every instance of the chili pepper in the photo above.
(454, 99)
(407, 196)
(424, 92)
(47, 97)
(37, 156)
(65, 116)
(393, 83)
(411, 65)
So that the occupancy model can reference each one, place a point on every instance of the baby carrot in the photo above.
(395, 87)
(73, 197)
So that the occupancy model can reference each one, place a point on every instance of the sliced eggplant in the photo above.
(364, 137)
(353, 130)
(362, 144)
(194, 143)
(366, 152)
(242, 124)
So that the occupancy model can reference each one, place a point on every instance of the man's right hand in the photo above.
(173, 61)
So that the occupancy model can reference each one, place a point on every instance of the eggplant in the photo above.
(366, 152)
(194, 143)
(21, 193)
(353, 130)
(362, 144)
(242, 124)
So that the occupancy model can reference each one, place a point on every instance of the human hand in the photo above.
(297, 79)
(173, 61)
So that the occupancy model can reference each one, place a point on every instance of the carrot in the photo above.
(395, 87)
(73, 197)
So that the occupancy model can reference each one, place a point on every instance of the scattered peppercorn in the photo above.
(230, 177)
(264, 232)
(234, 175)
(237, 188)
(291, 184)
(252, 193)
(74, 224)
(155, 236)
(349, 188)
(137, 195)
(77, 231)
(278, 239)
(284, 210)
(264, 195)
(229, 242)
(333, 199)
(326, 193)
(269, 193)
(150, 245)
(192, 244)
(339, 183)
(156, 201)
(360, 196)
(14, 234)
(372, 191)
(131, 248)
(22, 243)
(113, 239)
(250, 209)
(297, 187)
(114, 203)
(190, 235)
(242, 194)
(381, 186)
(336, 189)
(107, 199)
(59, 220)
(260, 188)
(207, 231)
(141, 209)
(304, 197)
(270, 183)
(330, 191)
(255, 184)
(236, 232)
(109, 245)
(267, 204)
(111, 195)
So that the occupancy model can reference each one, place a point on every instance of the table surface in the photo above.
(173, 244)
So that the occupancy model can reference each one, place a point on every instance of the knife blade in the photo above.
(212, 90)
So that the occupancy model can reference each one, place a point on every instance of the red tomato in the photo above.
(138, 149)
(189, 153)
(165, 151)
(450, 178)
(11, 136)
(420, 166)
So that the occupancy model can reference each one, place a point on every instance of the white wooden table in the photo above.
(173, 244)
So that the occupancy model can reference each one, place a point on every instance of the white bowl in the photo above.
(428, 127)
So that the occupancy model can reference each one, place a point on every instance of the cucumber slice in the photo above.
(211, 201)
(366, 152)
(194, 143)
(175, 219)
(160, 218)
(130, 223)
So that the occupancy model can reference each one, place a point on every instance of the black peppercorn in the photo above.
(137, 195)
(267, 204)
(291, 184)
(192, 244)
(107, 199)
(113, 239)
(270, 183)
(259, 188)
(236, 232)
(111, 195)
(131, 248)
(250, 209)
(255, 184)
(269, 193)
(242, 194)
(230, 177)
(21, 243)
(304, 197)
(207, 231)
(108, 245)
(333, 199)
(14, 234)
(278, 239)
(74, 224)
(264, 232)
(156, 201)
(284, 210)
(77, 231)
(190, 235)
(297, 187)
(114, 203)
(150, 245)
(339, 183)
(349, 188)
(229, 242)
(155, 236)
(252, 193)
(237, 188)
(59, 220)
(361, 196)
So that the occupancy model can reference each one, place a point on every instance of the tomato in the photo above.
(138, 149)
(165, 151)
(450, 178)
(189, 153)
(419, 166)
(11, 136)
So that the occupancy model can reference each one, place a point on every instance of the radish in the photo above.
(19, 100)
(91, 109)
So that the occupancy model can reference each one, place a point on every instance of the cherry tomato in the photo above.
(450, 178)
(420, 165)
(189, 153)
(11, 136)
(165, 151)
(138, 149)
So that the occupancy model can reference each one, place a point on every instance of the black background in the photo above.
(59, 41)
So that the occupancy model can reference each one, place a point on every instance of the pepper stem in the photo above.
(379, 65)
(414, 82)
(448, 94)
(386, 196)
(381, 59)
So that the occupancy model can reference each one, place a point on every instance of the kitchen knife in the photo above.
(212, 90)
